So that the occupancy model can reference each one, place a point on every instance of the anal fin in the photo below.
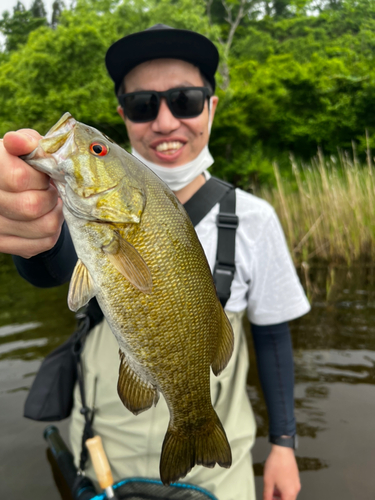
(136, 394)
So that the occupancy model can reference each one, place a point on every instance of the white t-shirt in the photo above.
(265, 282)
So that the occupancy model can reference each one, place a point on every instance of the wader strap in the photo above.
(198, 206)
(227, 223)
(206, 198)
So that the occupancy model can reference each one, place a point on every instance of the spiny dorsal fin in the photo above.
(224, 346)
(81, 288)
(136, 394)
(126, 259)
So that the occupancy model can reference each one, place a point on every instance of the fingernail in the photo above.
(29, 136)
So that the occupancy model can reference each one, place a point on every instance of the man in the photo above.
(169, 131)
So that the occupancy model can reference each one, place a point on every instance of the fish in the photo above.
(139, 255)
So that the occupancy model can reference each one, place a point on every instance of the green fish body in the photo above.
(139, 255)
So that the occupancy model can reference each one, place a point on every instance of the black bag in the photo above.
(57, 375)
(51, 395)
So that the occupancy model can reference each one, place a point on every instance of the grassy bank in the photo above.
(328, 211)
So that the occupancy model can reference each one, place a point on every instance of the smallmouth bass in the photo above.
(139, 255)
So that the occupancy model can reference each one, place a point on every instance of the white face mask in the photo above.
(177, 178)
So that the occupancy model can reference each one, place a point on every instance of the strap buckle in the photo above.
(223, 277)
(227, 220)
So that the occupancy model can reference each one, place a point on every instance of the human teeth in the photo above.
(165, 146)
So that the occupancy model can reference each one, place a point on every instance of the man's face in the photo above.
(167, 140)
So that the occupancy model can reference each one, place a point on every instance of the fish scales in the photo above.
(140, 256)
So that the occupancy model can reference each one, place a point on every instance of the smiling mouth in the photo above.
(169, 148)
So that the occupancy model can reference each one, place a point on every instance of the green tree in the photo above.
(57, 9)
(16, 28)
(37, 9)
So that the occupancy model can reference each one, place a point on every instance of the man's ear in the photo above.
(120, 111)
(214, 101)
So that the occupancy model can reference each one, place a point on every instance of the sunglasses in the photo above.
(183, 102)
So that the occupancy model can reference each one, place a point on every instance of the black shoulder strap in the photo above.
(227, 223)
(206, 198)
(212, 192)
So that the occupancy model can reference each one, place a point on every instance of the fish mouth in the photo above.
(54, 148)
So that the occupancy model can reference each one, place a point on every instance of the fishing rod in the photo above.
(101, 466)
(82, 487)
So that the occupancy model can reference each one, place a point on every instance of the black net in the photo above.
(145, 489)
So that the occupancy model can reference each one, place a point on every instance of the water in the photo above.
(334, 350)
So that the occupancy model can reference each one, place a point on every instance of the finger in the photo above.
(27, 248)
(267, 491)
(16, 175)
(44, 227)
(289, 492)
(27, 205)
(21, 142)
(276, 494)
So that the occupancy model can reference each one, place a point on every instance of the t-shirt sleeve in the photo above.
(275, 292)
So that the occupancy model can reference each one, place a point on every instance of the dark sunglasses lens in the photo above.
(187, 103)
(141, 107)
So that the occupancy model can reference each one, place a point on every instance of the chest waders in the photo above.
(51, 395)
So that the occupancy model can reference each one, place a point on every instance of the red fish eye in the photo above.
(98, 149)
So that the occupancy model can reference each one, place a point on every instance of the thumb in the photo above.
(21, 142)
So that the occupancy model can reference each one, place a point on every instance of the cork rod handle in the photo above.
(100, 462)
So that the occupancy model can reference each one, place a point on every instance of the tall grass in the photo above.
(329, 211)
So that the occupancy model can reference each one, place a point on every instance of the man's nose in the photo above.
(165, 122)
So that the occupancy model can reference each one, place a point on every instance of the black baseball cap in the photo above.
(161, 41)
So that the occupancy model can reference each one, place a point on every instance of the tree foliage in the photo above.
(16, 28)
(298, 75)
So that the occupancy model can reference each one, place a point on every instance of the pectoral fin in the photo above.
(136, 394)
(81, 288)
(126, 259)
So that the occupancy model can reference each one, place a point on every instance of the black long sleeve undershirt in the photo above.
(272, 343)
(52, 268)
(273, 350)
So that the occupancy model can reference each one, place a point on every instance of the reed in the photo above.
(328, 212)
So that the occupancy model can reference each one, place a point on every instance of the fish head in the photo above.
(96, 178)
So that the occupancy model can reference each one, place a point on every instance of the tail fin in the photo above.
(206, 446)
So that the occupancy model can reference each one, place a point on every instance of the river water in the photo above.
(334, 349)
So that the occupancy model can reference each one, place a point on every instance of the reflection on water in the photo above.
(334, 349)
(334, 352)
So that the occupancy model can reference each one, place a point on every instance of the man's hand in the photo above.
(30, 209)
(281, 477)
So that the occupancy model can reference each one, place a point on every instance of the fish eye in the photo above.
(98, 149)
